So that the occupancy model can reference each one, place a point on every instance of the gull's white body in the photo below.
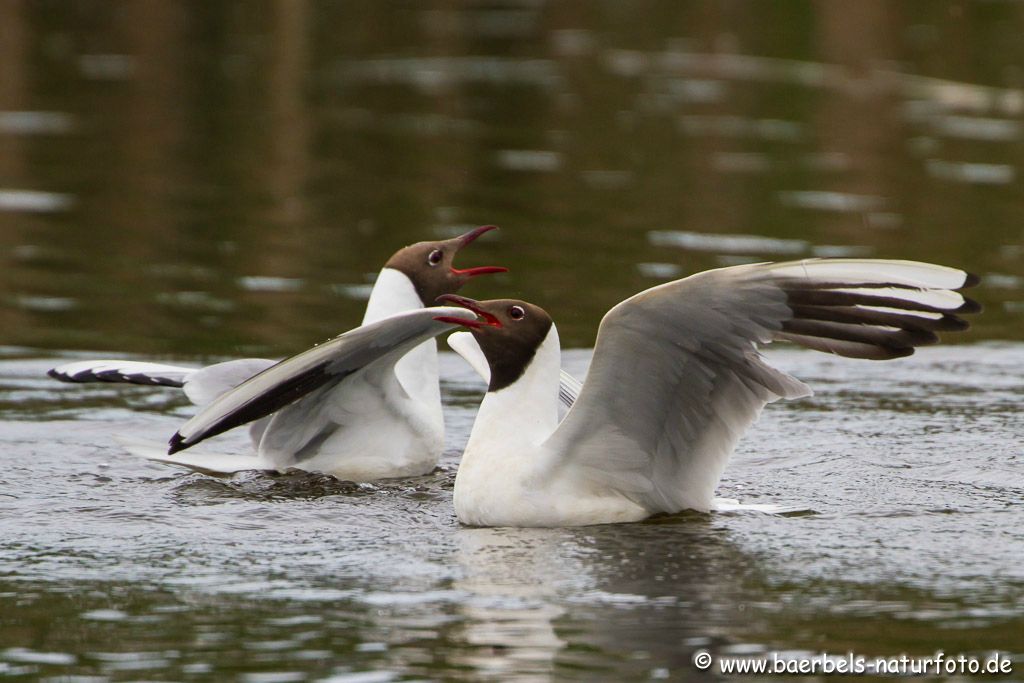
(509, 477)
(338, 407)
(386, 423)
(675, 380)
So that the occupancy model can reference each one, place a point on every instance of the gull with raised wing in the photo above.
(675, 380)
(383, 421)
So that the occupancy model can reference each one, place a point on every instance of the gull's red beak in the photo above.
(484, 318)
(467, 239)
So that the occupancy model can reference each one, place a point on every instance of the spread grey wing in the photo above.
(676, 376)
(329, 363)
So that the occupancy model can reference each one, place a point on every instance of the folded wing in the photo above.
(676, 376)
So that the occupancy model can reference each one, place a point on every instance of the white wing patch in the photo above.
(873, 271)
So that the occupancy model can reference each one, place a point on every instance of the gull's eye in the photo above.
(435, 257)
(516, 313)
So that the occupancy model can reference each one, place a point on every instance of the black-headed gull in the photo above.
(675, 380)
(381, 423)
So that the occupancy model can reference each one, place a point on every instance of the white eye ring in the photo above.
(516, 313)
(435, 257)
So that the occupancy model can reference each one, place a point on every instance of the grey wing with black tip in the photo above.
(329, 363)
(201, 385)
(122, 371)
(676, 377)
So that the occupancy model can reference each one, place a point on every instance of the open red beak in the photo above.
(464, 240)
(484, 318)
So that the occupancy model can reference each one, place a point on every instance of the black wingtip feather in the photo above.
(867, 334)
(177, 443)
(969, 306)
(868, 316)
(955, 324)
(52, 372)
(971, 280)
(899, 352)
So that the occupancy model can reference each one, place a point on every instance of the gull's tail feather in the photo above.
(206, 463)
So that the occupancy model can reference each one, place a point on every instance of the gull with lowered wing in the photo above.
(363, 406)
(675, 380)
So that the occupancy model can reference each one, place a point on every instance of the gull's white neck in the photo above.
(514, 421)
(392, 293)
(417, 370)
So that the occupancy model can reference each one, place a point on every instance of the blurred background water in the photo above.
(217, 177)
(199, 180)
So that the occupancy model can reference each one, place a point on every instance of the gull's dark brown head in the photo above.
(509, 333)
(430, 268)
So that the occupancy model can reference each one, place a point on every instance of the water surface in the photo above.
(912, 470)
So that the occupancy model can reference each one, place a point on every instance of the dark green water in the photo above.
(207, 180)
